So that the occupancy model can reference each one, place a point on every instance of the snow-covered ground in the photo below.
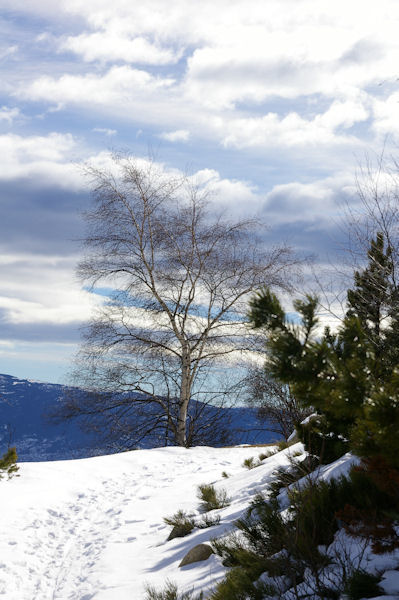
(93, 529)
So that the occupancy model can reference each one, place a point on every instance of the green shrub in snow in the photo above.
(282, 445)
(267, 454)
(208, 521)
(170, 592)
(238, 586)
(212, 499)
(284, 547)
(8, 463)
(182, 524)
(250, 463)
(285, 476)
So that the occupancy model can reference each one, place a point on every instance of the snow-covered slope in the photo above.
(93, 529)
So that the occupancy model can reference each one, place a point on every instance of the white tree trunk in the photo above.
(185, 393)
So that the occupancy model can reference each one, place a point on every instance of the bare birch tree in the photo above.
(180, 278)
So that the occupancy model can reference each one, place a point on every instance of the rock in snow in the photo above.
(197, 554)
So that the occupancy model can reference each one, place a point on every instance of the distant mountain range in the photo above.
(24, 405)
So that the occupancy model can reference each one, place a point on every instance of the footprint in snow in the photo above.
(129, 521)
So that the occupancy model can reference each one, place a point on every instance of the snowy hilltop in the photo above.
(94, 529)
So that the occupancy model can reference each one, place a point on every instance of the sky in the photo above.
(273, 104)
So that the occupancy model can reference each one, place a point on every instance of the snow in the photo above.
(390, 583)
(93, 529)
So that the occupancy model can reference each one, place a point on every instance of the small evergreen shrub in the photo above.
(263, 527)
(286, 476)
(286, 548)
(362, 585)
(282, 445)
(250, 463)
(8, 464)
(238, 586)
(170, 592)
(233, 551)
(313, 510)
(257, 549)
(212, 499)
(182, 524)
(267, 454)
(208, 521)
(225, 475)
(297, 453)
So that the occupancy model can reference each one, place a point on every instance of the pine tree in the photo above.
(350, 378)
(374, 301)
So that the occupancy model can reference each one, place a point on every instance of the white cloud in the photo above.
(233, 196)
(238, 198)
(295, 61)
(110, 46)
(104, 130)
(244, 51)
(44, 159)
(343, 114)
(71, 310)
(31, 354)
(386, 113)
(119, 84)
(8, 51)
(159, 100)
(181, 135)
(318, 202)
(293, 130)
(52, 147)
(43, 289)
(9, 114)
(238, 63)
